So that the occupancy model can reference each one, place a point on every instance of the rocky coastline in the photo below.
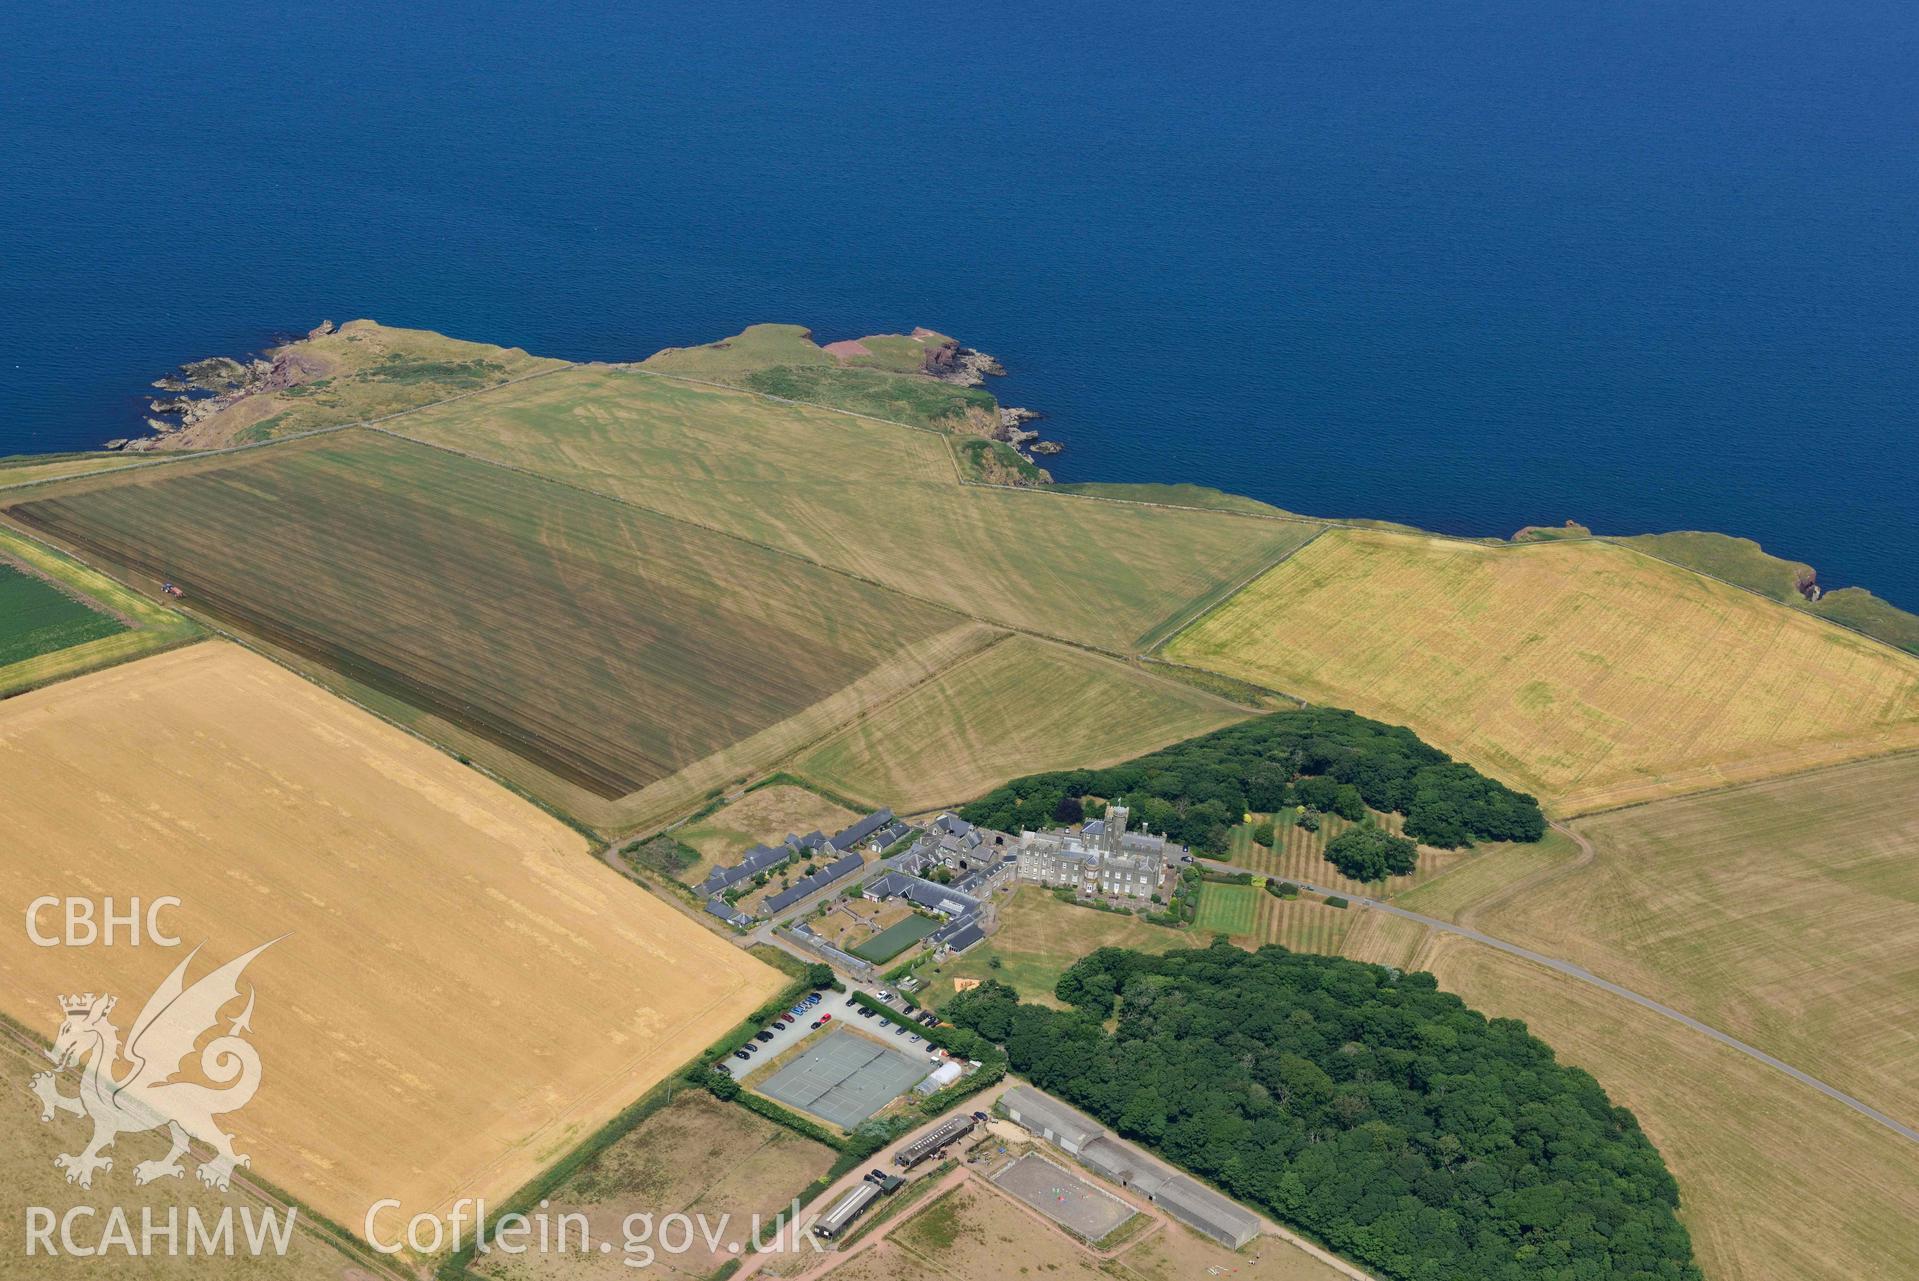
(200, 389)
(962, 366)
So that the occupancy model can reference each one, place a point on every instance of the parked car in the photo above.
(915, 1038)
(865, 1013)
(852, 1001)
(742, 1055)
(901, 1031)
(884, 995)
(826, 1018)
(762, 1036)
(818, 1022)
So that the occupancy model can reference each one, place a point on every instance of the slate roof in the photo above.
(847, 838)
(719, 907)
(806, 885)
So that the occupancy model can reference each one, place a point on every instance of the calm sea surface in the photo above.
(1468, 265)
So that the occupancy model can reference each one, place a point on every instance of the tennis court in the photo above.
(844, 1079)
(893, 940)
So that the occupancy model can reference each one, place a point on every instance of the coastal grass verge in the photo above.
(1581, 671)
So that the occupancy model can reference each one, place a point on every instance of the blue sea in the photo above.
(1469, 265)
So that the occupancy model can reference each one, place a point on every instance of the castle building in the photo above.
(1100, 859)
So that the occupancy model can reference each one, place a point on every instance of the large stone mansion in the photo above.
(1100, 859)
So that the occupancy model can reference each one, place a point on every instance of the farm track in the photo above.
(1586, 976)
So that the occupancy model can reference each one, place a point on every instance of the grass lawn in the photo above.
(1785, 913)
(1300, 855)
(1583, 672)
(1021, 707)
(894, 939)
(1227, 909)
(1038, 938)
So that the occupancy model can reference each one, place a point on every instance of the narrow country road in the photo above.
(1586, 976)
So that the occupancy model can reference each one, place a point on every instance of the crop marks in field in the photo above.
(1580, 671)
(875, 499)
(608, 646)
(432, 922)
(1021, 707)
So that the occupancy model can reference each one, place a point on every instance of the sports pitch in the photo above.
(1080, 1207)
(844, 1079)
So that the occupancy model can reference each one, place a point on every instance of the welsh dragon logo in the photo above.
(145, 1096)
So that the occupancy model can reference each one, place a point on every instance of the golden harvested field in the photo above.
(761, 817)
(696, 1156)
(1776, 1182)
(28, 1177)
(876, 500)
(1494, 870)
(1583, 672)
(433, 922)
(149, 627)
(1785, 913)
(1021, 707)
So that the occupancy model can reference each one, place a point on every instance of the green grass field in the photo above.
(38, 618)
(112, 626)
(607, 646)
(1585, 673)
(894, 939)
(879, 501)
(1228, 909)
(1021, 707)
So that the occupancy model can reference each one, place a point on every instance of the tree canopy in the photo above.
(1403, 1129)
(1369, 853)
(1324, 758)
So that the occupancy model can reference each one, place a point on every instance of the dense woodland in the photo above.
(1368, 853)
(1378, 1113)
(1320, 757)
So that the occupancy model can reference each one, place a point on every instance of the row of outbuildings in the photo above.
(874, 832)
(1113, 1158)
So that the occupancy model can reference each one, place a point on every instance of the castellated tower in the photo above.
(1109, 840)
